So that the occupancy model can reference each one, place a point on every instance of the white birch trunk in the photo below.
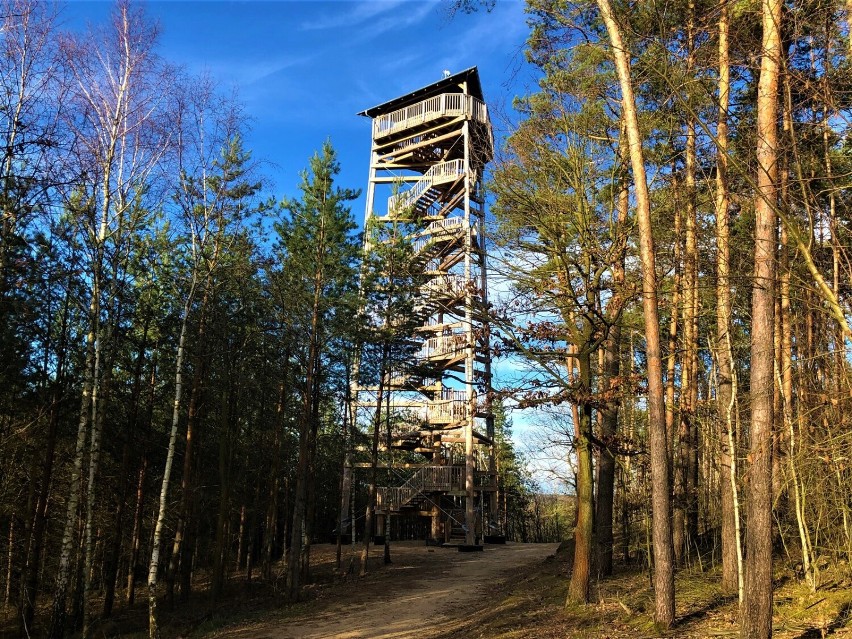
(153, 567)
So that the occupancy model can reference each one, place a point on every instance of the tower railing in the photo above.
(453, 407)
(443, 345)
(448, 284)
(426, 479)
(437, 174)
(445, 224)
(448, 229)
(439, 106)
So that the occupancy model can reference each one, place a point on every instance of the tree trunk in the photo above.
(181, 556)
(345, 480)
(611, 370)
(374, 462)
(310, 509)
(578, 588)
(660, 484)
(756, 612)
(271, 527)
(99, 395)
(663, 561)
(609, 426)
(672, 357)
(154, 565)
(293, 587)
(63, 575)
(684, 492)
(226, 445)
(113, 551)
(731, 568)
(10, 561)
(30, 578)
(111, 556)
(306, 430)
(386, 533)
(136, 538)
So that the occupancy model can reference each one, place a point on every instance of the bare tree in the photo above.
(209, 194)
(117, 94)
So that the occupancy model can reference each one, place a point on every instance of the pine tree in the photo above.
(320, 249)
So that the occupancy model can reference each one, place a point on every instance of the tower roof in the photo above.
(471, 76)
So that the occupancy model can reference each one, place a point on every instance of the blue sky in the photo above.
(303, 69)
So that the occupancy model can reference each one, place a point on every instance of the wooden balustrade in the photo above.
(447, 411)
(437, 174)
(445, 284)
(447, 224)
(439, 106)
(443, 345)
(426, 479)
(438, 230)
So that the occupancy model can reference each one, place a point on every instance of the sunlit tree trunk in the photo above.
(660, 484)
(731, 561)
(180, 556)
(154, 565)
(578, 588)
(756, 611)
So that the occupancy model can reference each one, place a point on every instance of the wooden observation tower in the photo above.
(429, 151)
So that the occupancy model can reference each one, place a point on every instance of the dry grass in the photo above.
(533, 607)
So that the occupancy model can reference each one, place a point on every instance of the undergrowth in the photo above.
(622, 606)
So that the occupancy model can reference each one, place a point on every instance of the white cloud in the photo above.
(412, 13)
(359, 13)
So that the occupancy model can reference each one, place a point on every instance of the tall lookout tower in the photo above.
(429, 151)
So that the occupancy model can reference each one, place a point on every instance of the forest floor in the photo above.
(516, 591)
(424, 592)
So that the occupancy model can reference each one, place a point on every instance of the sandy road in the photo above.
(426, 592)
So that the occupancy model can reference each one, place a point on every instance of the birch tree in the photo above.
(214, 194)
(118, 94)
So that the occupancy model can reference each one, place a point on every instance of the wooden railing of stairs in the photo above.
(441, 173)
(415, 491)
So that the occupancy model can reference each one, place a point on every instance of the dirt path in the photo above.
(426, 592)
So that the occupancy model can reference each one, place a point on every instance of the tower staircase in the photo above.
(436, 402)
(417, 489)
(441, 173)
